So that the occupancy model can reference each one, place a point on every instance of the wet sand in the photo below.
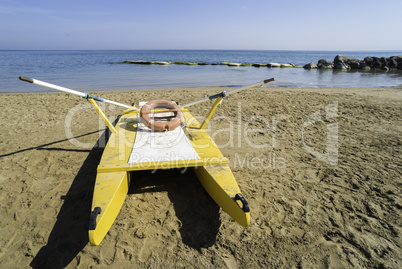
(320, 168)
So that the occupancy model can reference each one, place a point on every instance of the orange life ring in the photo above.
(154, 123)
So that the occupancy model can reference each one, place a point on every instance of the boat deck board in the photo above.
(153, 147)
(136, 148)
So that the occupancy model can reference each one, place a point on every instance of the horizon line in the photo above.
(375, 50)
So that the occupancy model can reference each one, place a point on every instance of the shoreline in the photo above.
(212, 87)
(304, 212)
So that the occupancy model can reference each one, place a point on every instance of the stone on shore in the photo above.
(234, 64)
(340, 59)
(310, 66)
(324, 64)
(340, 63)
(273, 65)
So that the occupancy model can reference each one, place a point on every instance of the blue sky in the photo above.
(202, 24)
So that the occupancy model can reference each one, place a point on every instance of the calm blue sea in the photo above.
(93, 70)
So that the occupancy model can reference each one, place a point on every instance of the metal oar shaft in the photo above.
(259, 84)
(118, 104)
(226, 93)
(82, 94)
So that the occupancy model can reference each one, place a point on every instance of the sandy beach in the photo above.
(321, 169)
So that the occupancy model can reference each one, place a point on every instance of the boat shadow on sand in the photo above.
(198, 213)
(70, 232)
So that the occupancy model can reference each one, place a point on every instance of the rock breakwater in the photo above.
(341, 62)
(279, 65)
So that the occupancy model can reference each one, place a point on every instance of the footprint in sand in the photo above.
(229, 260)
(145, 251)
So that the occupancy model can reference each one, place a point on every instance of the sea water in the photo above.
(102, 70)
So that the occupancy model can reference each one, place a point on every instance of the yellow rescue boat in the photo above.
(136, 145)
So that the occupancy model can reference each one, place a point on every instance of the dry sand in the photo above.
(305, 213)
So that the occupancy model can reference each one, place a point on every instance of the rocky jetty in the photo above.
(340, 62)
(369, 63)
(203, 63)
